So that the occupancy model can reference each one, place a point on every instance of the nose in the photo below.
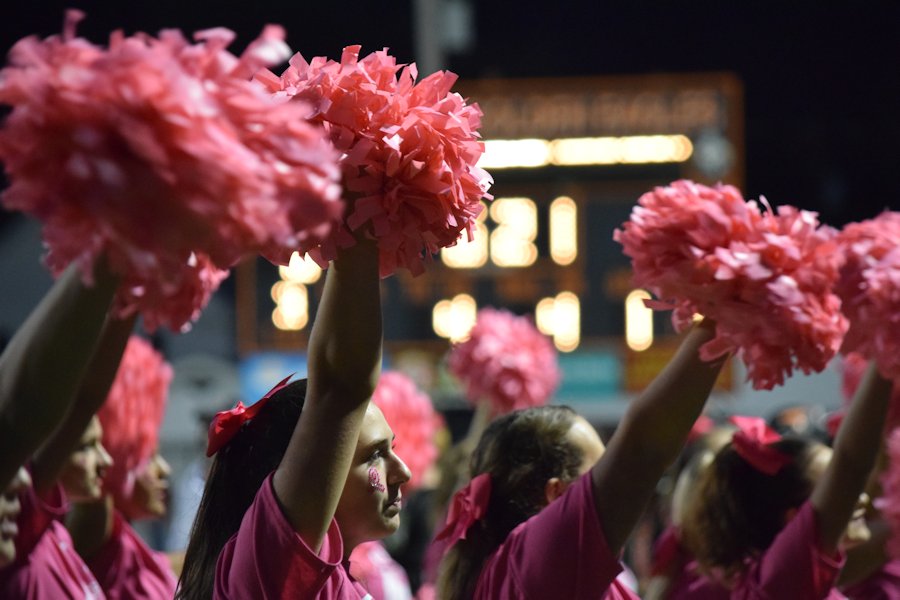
(104, 459)
(163, 465)
(863, 501)
(21, 481)
(400, 473)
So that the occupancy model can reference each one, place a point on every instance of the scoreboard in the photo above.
(569, 159)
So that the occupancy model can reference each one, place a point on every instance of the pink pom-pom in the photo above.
(506, 361)
(132, 415)
(889, 502)
(153, 149)
(869, 287)
(410, 152)
(413, 420)
(764, 277)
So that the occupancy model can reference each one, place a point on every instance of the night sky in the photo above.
(822, 83)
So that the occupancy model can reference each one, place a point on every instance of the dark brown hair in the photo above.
(237, 472)
(521, 451)
(737, 510)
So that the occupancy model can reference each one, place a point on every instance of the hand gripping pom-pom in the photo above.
(132, 415)
(765, 278)
(869, 287)
(409, 153)
(153, 150)
(506, 362)
(413, 420)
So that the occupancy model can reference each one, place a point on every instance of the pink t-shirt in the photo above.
(46, 566)
(792, 568)
(379, 573)
(560, 552)
(883, 584)
(267, 560)
(128, 570)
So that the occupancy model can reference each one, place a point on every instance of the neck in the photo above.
(90, 525)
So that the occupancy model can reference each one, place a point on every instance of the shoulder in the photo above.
(267, 551)
(559, 552)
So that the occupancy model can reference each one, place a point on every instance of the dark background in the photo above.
(821, 80)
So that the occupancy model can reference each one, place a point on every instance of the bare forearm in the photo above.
(855, 450)
(94, 388)
(650, 436)
(45, 361)
(345, 345)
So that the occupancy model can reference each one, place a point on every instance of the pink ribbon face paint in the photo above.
(375, 480)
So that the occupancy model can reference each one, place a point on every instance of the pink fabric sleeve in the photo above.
(128, 569)
(793, 566)
(560, 552)
(267, 560)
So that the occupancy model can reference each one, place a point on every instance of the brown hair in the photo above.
(237, 472)
(521, 451)
(737, 510)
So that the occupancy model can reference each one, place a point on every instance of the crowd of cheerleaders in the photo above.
(156, 163)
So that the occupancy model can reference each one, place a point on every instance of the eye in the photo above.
(375, 455)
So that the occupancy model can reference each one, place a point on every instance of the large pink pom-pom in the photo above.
(764, 277)
(413, 420)
(410, 152)
(132, 415)
(506, 362)
(154, 149)
(869, 286)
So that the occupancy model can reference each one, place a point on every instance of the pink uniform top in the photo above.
(560, 552)
(883, 584)
(379, 573)
(127, 569)
(792, 568)
(46, 566)
(267, 560)
(673, 561)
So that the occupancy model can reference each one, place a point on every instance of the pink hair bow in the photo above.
(752, 441)
(226, 423)
(469, 505)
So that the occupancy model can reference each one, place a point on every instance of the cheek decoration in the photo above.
(375, 480)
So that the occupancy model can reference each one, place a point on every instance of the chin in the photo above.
(7, 552)
(855, 535)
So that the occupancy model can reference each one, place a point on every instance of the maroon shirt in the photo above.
(267, 560)
(560, 552)
(46, 566)
(128, 569)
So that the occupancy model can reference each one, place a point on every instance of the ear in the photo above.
(553, 489)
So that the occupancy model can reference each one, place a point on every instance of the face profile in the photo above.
(82, 475)
(9, 513)
(369, 508)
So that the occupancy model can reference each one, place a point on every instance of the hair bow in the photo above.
(226, 423)
(752, 441)
(468, 506)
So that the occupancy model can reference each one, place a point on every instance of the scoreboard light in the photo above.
(638, 321)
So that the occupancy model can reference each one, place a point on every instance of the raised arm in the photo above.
(650, 436)
(836, 495)
(44, 362)
(344, 366)
(91, 393)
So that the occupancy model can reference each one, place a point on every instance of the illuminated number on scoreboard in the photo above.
(509, 241)
(512, 240)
